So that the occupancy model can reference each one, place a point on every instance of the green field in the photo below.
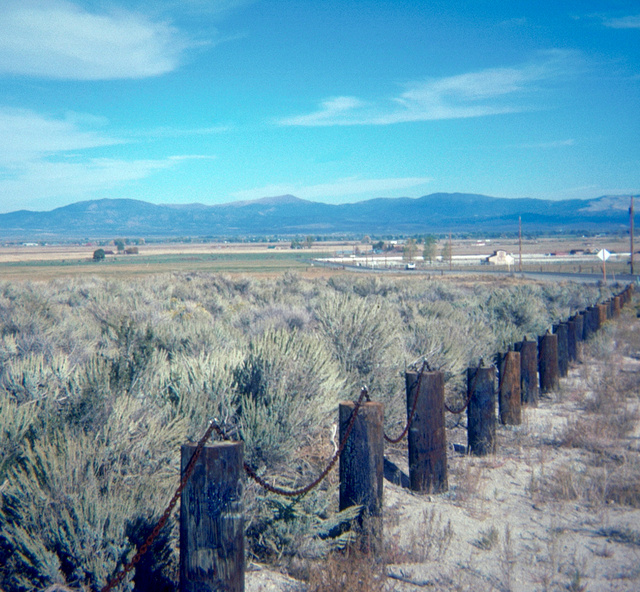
(250, 263)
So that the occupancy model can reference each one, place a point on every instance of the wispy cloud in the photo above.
(34, 183)
(58, 39)
(549, 145)
(342, 188)
(38, 181)
(172, 132)
(43, 157)
(476, 94)
(27, 135)
(625, 22)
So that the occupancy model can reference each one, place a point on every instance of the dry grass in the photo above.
(348, 572)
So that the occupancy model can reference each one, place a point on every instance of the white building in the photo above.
(501, 258)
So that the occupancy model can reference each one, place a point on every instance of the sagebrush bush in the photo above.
(284, 390)
(75, 501)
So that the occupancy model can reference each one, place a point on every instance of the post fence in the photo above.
(212, 550)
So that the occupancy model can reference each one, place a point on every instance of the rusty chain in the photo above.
(413, 408)
(469, 395)
(165, 516)
(364, 396)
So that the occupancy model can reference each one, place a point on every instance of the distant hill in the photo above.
(288, 215)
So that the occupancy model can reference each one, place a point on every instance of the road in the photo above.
(585, 278)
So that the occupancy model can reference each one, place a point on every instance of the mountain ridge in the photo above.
(288, 215)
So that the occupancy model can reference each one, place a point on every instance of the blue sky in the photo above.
(182, 101)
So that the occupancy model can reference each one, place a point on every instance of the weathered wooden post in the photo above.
(586, 324)
(574, 327)
(528, 371)
(509, 390)
(594, 319)
(481, 411)
(362, 470)
(616, 306)
(579, 319)
(211, 520)
(602, 314)
(548, 362)
(427, 437)
(562, 331)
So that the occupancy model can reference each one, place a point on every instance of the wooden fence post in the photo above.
(427, 437)
(586, 324)
(579, 319)
(562, 331)
(528, 371)
(211, 519)
(594, 319)
(574, 328)
(510, 395)
(616, 306)
(481, 411)
(602, 314)
(362, 470)
(548, 362)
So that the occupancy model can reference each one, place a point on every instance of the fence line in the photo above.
(365, 488)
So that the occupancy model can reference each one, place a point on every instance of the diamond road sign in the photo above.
(603, 254)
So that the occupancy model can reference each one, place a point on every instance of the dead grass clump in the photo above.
(599, 434)
(574, 483)
(466, 482)
(626, 536)
(623, 484)
(610, 389)
(428, 541)
(487, 539)
(349, 572)
(617, 483)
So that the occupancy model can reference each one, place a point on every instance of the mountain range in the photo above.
(288, 215)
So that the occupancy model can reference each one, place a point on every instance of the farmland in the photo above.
(270, 259)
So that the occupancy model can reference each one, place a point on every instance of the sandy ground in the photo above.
(523, 519)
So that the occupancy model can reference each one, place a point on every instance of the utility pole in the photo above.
(520, 244)
(450, 253)
(631, 232)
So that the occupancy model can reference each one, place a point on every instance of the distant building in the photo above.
(500, 258)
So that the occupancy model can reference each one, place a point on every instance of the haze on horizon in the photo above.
(216, 101)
